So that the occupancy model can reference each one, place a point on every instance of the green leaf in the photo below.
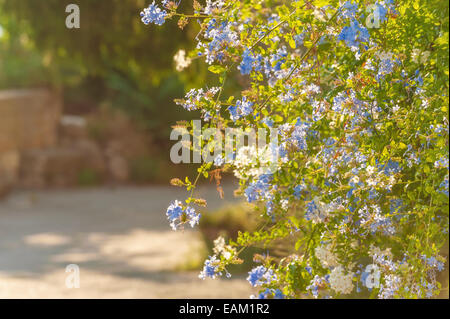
(216, 69)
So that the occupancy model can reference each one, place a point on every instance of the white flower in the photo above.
(370, 169)
(245, 156)
(219, 244)
(341, 282)
(326, 256)
(284, 204)
(221, 248)
(181, 61)
(355, 179)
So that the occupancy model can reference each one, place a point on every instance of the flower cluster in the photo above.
(358, 175)
(153, 14)
(211, 268)
(341, 282)
(241, 109)
(260, 275)
(179, 215)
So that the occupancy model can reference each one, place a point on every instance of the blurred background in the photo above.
(104, 91)
(85, 118)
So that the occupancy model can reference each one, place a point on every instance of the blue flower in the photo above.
(177, 216)
(241, 109)
(278, 294)
(246, 65)
(192, 216)
(395, 205)
(311, 208)
(354, 34)
(298, 191)
(316, 283)
(441, 163)
(390, 168)
(174, 211)
(299, 134)
(348, 10)
(210, 268)
(443, 187)
(308, 269)
(153, 14)
(258, 189)
(268, 121)
(433, 262)
(260, 275)
(221, 37)
(381, 12)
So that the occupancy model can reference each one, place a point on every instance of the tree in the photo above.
(111, 58)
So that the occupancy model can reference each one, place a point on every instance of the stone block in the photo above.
(29, 119)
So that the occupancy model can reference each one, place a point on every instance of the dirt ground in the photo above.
(118, 237)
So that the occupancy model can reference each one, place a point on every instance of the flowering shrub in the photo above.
(359, 93)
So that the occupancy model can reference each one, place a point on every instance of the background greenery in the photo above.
(112, 58)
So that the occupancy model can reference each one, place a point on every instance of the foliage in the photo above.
(226, 223)
(359, 93)
(112, 58)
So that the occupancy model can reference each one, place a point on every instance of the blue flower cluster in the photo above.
(390, 168)
(339, 114)
(210, 268)
(246, 65)
(259, 189)
(178, 216)
(153, 14)
(300, 134)
(354, 35)
(296, 134)
(220, 36)
(385, 66)
(260, 275)
(240, 109)
(348, 10)
(442, 162)
(299, 191)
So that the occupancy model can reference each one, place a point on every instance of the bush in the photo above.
(357, 93)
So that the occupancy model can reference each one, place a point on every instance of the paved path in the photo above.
(119, 238)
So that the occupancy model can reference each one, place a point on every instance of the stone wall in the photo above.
(29, 120)
(40, 147)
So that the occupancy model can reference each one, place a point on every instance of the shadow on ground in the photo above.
(119, 238)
